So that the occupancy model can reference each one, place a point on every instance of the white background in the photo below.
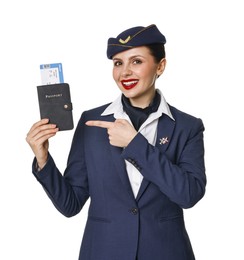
(203, 77)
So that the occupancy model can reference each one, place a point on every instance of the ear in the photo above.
(161, 67)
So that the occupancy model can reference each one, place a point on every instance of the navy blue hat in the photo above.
(134, 37)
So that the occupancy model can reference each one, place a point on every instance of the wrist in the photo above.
(40, 163)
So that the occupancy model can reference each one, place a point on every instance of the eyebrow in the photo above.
(132, 57)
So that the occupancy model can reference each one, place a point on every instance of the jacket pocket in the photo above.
(98, 219)
(171, 218)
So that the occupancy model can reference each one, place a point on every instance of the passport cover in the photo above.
(55, 104)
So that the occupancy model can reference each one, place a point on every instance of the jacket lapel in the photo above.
(165, 132)
(120, 166)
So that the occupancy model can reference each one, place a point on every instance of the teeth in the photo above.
(129, 83)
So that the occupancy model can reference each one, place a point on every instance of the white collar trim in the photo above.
(116, 108)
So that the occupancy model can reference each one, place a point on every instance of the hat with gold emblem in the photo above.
(134, 37)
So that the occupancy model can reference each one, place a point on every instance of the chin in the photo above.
(130, 93)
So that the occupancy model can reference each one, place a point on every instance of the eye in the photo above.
(137, 61)
(117, 63)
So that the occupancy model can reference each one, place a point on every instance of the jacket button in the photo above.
(134, 211)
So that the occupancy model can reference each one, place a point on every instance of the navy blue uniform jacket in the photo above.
(119, 226)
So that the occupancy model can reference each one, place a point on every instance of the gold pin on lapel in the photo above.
(124, 41)
(163, 140)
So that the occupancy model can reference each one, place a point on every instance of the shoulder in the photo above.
(90, 114)
(97, 109)
(179, 114)
(95, 113)
(185, 120)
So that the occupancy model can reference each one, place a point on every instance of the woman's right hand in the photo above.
(38, 137)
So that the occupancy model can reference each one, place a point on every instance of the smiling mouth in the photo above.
(129, 84)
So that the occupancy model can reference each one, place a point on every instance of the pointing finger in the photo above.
(98, 123)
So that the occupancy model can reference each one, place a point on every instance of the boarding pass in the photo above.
(51, 73)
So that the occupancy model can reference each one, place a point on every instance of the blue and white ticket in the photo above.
(51, 73)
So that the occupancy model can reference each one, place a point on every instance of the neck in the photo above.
(143, 101)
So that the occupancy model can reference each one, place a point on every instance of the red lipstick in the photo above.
(129, 83)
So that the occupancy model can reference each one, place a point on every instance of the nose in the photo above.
(126, 71)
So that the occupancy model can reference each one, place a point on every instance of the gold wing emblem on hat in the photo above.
(125, 41)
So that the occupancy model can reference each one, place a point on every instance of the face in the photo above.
(135, 72)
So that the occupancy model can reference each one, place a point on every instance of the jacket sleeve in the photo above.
(68, 191)
(183, 179)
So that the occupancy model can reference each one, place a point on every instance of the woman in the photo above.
(138, 159)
